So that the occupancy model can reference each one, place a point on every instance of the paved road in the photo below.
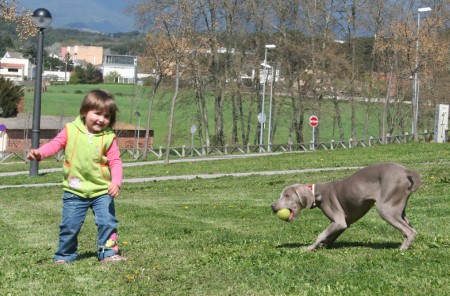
(180, 177)
(189, 177)
(133, 164)
(197, 176)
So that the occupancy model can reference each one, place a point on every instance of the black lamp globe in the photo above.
(42, 18)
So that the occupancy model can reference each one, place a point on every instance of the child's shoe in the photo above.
(114, 258)
(112, 242)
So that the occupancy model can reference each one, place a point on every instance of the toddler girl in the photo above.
(92, 176)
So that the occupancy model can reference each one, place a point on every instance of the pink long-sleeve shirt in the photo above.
(113, 155)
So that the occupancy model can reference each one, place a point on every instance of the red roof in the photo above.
(6, 65)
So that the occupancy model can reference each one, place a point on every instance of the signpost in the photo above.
(313, 122)
(3, 138)
(441, 123)
(261, 120)
(193, 130)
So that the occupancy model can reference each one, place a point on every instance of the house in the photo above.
(124, 65)
(15, 67)
(87, 54)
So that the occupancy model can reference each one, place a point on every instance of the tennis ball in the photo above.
(284, 214)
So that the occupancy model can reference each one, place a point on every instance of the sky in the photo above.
(106, 16)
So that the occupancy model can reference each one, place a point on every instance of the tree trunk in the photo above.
(199, 116)
(246, 128)
(149, 112)
(235, 113)
(218, 116)
(338, 118)
(172, 112)
(351, 31)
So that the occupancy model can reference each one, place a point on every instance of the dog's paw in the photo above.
(309, 249)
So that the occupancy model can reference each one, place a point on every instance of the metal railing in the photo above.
(189, 151)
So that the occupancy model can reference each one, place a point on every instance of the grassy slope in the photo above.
(64, 100)
(218, 236)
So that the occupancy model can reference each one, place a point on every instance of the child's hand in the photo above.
(34, 154)
(113, 190)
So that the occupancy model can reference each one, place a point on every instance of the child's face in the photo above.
(97, 120)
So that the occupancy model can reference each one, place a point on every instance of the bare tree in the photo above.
(11, 13)
(155, 59)
(173, 25)
(217, 42)
(398, 39)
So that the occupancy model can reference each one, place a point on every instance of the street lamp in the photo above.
(262, 115)
(42, 19)
(415, 102)
(269, 142)
(138, 115)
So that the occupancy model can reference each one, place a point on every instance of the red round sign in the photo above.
(313, 121)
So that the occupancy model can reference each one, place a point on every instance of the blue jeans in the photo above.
(74, 213)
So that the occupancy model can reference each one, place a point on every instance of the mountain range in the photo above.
(104, 16)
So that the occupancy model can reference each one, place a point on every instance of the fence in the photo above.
(189, 151)
(186, 151)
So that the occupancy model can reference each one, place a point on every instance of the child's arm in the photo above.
(115, 166)
(51, 148)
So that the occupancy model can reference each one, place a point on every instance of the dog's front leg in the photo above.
(328, 236)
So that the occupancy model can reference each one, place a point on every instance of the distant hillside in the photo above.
(104, 16)
(118, 43)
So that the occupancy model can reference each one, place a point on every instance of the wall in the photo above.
(20, 140)
(90, 54)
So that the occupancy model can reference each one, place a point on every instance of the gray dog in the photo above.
(346, 201)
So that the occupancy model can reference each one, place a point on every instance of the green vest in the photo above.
(86, 169)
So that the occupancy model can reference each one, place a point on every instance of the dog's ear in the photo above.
(305, 196)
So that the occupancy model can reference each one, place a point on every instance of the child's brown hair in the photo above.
(99, 99)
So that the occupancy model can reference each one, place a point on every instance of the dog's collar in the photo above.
(312, 188)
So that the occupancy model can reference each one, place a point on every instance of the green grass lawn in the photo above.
(65, 100)
(219, 236)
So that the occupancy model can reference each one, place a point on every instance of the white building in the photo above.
(268, 73)
(15, 68)
(56, 76)
(124, 65)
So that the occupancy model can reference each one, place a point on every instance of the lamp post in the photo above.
(138, 115)
(42, 19)
(415, 102)
(262, 115)
(269, 138)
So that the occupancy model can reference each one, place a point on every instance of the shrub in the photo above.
(86, 75)
(10, 95)
(112, 77)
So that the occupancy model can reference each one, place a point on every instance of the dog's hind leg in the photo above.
(397, 219)
(406, 218)
(392, 208)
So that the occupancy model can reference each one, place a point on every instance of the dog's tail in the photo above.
(415, 180)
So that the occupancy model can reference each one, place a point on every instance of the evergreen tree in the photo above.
(86, 75)
(10, 95)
